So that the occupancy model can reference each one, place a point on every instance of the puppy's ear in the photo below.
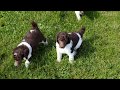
(25, 53)
(57, 37)
(68, 38)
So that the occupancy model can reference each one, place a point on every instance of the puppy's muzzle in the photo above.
(16, 63)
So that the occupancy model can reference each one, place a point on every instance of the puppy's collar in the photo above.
(29, 47)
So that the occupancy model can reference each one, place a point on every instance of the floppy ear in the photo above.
(57, 37)
(68, 38)
(25, 53)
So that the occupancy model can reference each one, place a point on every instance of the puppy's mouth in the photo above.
(62, 45)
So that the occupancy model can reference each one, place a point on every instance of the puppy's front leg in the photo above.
(59, 56)
(27, 62)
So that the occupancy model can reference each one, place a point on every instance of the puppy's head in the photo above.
(18, 56)
(62, 39)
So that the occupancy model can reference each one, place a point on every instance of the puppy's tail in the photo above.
(82, 31)
(34, 25)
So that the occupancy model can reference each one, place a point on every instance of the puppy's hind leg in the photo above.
(59, 56)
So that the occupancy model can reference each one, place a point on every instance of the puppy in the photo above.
(30, 42)
(79, 14)
(68, 43)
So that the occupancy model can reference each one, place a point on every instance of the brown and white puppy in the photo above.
(79, 14)
(68, 43)
(30, 42)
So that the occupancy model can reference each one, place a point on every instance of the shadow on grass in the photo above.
(87, 47)
(3, 57)
(39, 56)
(92, 14)
(62, 15)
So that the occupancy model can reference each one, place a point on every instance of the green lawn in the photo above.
(97, 58)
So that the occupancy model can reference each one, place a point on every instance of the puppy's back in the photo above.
(34, 36)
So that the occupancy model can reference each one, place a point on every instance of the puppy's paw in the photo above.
(27, 63)
(15, 64)
(59, 60)
(71, 61)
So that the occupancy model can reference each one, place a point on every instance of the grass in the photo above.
(98, 57)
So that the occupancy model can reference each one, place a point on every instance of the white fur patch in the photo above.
(45, 43)
(15, 64)
(78, 13)
(79, 42)
(29, 47)
(30, 53)
(32, 31)
(25, 58)
(23, 40)
(67, 50)
(27, 63)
